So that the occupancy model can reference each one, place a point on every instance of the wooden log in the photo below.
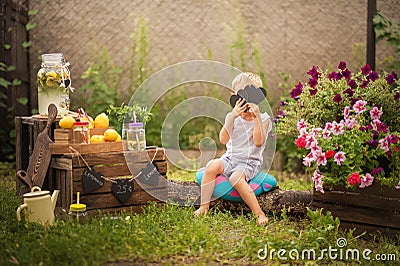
(295, 201)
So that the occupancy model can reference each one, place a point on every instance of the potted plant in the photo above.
(347, 127)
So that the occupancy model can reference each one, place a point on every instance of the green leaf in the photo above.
(9, 29)
(30, 25)
(22, 100)
(3, 95)
(26, 44)
(10, 68)
(16, 82)
(33, 12)
(4, 83)
(7, 46)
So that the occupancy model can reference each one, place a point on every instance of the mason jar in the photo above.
(54, 83)
(77, 213)
(136, 137)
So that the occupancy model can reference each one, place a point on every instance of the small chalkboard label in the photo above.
(91, 180)
(149, 175)
(122, 189)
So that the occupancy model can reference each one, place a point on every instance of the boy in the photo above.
(244, 133)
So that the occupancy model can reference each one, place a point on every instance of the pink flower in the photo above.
(375, 113)
(367, 180)
(315, 149)
(359, 106)
(354, 179)
(326, 134)
(350, 123)
(308, 159)
(315, 132)
(321, 158)
(398, 186)
(339, 158)
(318, 185)
(346, 112)
(384, 145)
(328, 126)
(310, 141)
(338, 128)
(301, 125)
(317, 176)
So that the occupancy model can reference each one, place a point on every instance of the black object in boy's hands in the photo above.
(250, 94)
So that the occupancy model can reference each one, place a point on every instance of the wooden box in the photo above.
(366, 209)
(63, 136)
(66, 175)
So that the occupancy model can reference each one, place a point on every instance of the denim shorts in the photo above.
(249, 168)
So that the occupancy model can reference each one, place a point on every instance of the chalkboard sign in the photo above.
(91, 180)
(122, 189)
(149, 175)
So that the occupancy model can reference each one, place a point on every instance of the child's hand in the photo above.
(254, 110)
(240, 107)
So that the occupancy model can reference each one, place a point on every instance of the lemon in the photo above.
(50, 82)
(101, 121)
(66, 122)
(91, 121)
(97, 139)
(110, 134)
(119, 139)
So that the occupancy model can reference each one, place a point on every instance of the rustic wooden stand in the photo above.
(66, 175)
(27, 128)
(375, 208)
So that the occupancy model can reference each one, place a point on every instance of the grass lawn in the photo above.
(170, 235)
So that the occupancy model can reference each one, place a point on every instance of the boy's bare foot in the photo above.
(262, 220)
(201, 211)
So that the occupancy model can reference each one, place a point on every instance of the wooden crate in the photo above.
(366, 209)
(66, 175)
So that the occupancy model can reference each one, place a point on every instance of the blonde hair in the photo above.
(244, 79)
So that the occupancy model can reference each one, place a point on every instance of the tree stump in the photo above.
(295, 201)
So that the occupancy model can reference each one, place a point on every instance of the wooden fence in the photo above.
(14, 54)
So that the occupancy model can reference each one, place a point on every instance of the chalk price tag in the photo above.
(91, 180)
(149, 175)
(122, 189)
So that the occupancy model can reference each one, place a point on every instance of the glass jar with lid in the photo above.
(77, 212)
(81, 132)
(54, 83)
(136, 137)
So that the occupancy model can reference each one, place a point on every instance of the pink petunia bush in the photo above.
(346, 126)
(349, 153)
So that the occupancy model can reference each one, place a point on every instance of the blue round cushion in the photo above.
(262, 182)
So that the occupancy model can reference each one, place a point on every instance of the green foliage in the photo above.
(102, 92)
(169, 235)
(101, 89)
(239, 53)
(327, 106)
(320, 108)
(138, 58)
(389, 31)
(126, 114)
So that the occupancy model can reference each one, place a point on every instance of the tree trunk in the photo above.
(295, 201)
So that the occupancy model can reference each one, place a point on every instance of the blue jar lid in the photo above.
(137, 124)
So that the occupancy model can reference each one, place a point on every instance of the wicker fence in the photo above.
(290, 36)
